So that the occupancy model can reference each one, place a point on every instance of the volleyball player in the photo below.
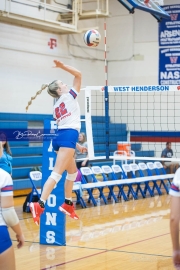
(8, 218)
(67, 114)
(175, 218)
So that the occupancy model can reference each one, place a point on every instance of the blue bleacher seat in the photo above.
(126, 170)
(143, 173)
(107, 175)
(118, 174)
(135, 172)
(86, 171)
(151, 171)
(27, 161)
(160, 170)
(35, 177)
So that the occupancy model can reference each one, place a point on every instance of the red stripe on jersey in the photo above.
(73, 93)
(173, 187)
(7, 188)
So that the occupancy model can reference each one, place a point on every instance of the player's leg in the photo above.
(7, 258)
(65, 144)
(71, 177)
(64, 157)
(68, 207)
(175, 218)
(174, 228)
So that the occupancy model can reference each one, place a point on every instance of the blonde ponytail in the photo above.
(44, 86)
(52, 91)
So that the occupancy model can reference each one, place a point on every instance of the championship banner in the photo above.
(169, 66)
(53, 222)
(169, 29)
(144, 88)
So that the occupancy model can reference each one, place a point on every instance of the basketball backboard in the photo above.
(146, 5)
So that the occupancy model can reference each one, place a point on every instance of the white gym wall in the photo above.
(132, 45)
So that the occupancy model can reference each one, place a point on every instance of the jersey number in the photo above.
(61, 110)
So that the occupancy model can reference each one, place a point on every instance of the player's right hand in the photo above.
(20, 239)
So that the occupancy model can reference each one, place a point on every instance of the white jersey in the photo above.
(175, 186)
(6, 189)
(67, 111)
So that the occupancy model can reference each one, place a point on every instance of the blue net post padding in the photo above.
(53, 222)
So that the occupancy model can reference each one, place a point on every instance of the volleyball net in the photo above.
(145, 116)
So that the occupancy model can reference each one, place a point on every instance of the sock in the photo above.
(41, 202)
(68, 201)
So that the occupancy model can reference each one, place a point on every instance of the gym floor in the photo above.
(125, 235)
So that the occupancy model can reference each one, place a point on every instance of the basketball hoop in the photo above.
(146, 2)
(159, 2)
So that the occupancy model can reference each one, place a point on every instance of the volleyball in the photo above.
(92, 38)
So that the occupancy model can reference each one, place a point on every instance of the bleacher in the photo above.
(28, 154)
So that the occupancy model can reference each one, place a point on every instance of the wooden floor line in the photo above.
(123, 251)
(95, 254)
(25, 218)
(142, 240)
(108, 250)
(32, 242)
(75, 260)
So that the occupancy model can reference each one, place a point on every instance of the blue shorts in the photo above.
(5, 240)
(65, 138)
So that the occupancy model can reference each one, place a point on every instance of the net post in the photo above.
(52, 222)
(106, 99)
(106, 95)
(88, 109)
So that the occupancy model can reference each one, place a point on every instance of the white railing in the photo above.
(124, 158)
(122, 155)
(35, 12)
(42, 11)
(98, 8)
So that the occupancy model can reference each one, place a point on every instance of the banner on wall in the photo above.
(143, 88)
(169, 66)
(169, 30)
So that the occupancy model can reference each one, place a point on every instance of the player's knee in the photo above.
(72, 176)
(55, 176)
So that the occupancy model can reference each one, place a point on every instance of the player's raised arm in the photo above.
(75, 72)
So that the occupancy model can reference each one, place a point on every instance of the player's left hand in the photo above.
(58, 64)
(176, 259)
